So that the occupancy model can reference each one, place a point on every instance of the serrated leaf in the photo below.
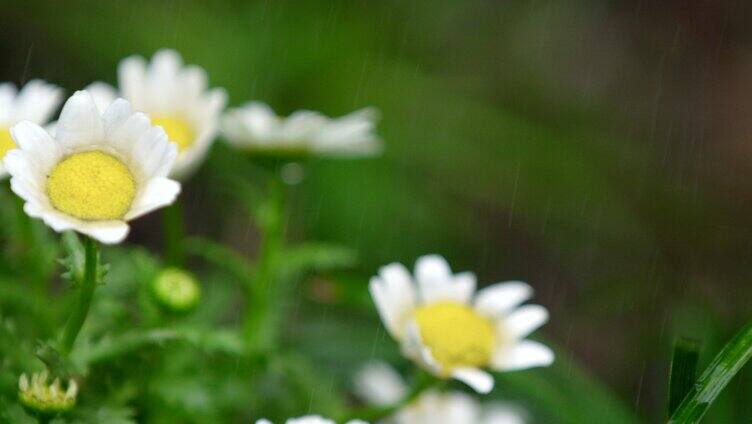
(74, 260)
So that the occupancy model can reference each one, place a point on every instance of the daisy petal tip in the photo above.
(480, 381)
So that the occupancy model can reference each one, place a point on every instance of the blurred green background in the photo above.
(598, 150)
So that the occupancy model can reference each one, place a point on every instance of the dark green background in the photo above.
(598, 150)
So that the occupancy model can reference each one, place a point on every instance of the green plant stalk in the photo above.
(717, 375)
(89, 283)
(261, 321)
(174, 232)
(683, 371)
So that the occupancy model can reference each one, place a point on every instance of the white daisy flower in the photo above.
(255, 127)
(98, 172)
(448, 329)
(310, 419)
(380, 385)
(36, 102)
(176, 97)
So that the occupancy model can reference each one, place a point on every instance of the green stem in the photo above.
(174, 232)
(76, 321)
(262, 314)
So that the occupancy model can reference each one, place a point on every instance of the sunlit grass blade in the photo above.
(715, 378)
(683, 371)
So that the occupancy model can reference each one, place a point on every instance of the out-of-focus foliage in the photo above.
(519, 143)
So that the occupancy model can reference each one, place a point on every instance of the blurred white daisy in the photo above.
(176, 97)
(98, 171)
(35, 102)
(448, 329)
(255, 127)
(310, 419)
(380, 385)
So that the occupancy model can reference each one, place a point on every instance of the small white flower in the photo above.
(43, 397)
(380, 385)
(176, 97)
(255, 127)
(310, 419)
(448, 329)
(98, 171)
(35, 102)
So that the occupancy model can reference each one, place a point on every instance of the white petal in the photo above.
(41, 150)
(436, 282)
(457, 407)
(157, 193)
(27, 180)
(36, 101)
(263, 421)
(114, 116)
(481, 381)
(132, 80)
(432, 268)
(525, 354)
(524, 320)
(102, 93)
(413, 348)
(80, 122)
(394, 296)
(153, 152)
(7, 98)
(499, 413)
(194, 82)
(498, 299)
(459, 288)
(127, 135)
(107, 232)
(379, 384)
(310, 419)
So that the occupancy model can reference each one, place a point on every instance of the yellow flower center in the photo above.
(91, 186)
(456, 335)
(178, 130)
(6, 142)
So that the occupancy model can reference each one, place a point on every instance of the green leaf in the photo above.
(316, 257)
(683, 371)
(724, 367)
(214, 340)
(220, 256)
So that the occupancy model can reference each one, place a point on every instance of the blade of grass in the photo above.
(683, 371)
(715, 378)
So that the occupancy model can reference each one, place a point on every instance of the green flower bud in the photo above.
(176, 290)
(43, 399)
